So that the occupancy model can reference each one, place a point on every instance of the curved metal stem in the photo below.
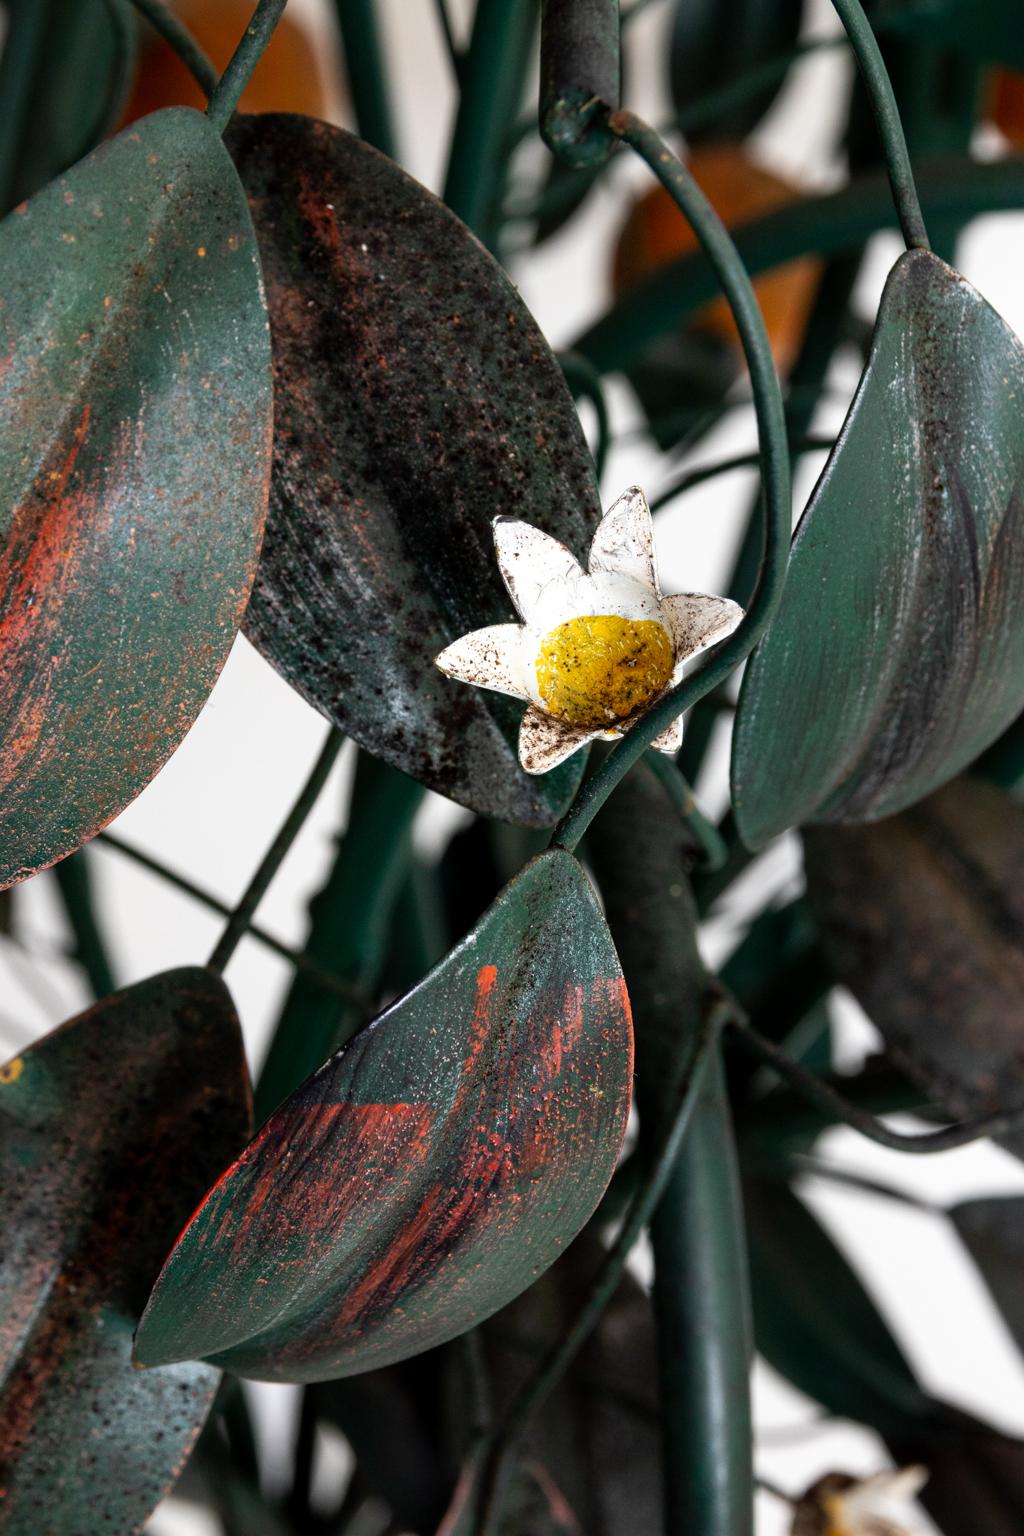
(774, 459)
(243, 61)
(177, 36)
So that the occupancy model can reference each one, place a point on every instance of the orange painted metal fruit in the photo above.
(1007, 104)
(292, 75)
(656, 233)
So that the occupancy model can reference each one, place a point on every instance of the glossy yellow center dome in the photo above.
(596, 671)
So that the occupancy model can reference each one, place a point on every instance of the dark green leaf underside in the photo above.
(922, 917)
(416, 399)
(135, 406)
(110, 1130)
(898, 652)
(428, 1172)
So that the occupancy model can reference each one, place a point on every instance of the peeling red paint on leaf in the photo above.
(135, 427)
(428, 1172)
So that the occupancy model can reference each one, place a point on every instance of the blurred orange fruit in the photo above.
(1008, 104)
(290, 76)
(656, 233)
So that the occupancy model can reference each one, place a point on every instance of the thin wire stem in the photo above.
(839, 1108)
(534, 1391)
(301, 961)
(705, 834)
(177, 36)
(887, 118)
(444, 22)
(243, 61)
(366, 71)
(774, 458)
(703, 472)
(274, 857)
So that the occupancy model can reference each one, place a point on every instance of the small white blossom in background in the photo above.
(839, 1505)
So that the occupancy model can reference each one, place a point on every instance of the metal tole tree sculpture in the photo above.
(254, 375)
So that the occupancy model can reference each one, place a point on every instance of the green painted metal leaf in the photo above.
(992, 1230)
(135, 417)
(898, 652)
(415, 399)
(714, 45)
(922, 917)
(110, 1129)
(430, 1170)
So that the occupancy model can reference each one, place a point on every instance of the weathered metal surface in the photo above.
(416, 399)
(580, 76)
(135, 420)
(110, 1129)
(898, 652)
(713, 45)
(429, 1171)
(922, 917)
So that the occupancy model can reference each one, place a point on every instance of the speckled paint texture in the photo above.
(110, 1129)
(135, 427)
(416, 400)
(898, 652)
(428, 1172)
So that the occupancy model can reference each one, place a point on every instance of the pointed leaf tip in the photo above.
(898, 652)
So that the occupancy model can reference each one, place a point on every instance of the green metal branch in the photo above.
(840, 1108)
(887, 117)
(74, 883)
(705, 1332)
(495, 68)
(302, 962)
(176, 35)
(722, 254)
(705, 834)
(243, 61)
(951, 187)
(274, 857)
(350, 923)
(364, 68)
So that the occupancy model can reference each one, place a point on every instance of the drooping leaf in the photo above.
(922, 917)
(415, 401)
(110, 1129)
(135, 416)
(713, 46)
(992, 1230)
(431, 1169)
(898, 652)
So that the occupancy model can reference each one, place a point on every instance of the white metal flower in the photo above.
(596, 648)
(839, 1505)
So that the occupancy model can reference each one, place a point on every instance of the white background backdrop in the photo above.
(212, 810)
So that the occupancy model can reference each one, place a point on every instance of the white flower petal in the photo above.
(624, 542)
(695, 621)
(671, 738)
(872, 1496)
(530, 562)
(488, 658)
(545, 741)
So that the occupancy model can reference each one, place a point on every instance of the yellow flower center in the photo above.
(599, 670)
